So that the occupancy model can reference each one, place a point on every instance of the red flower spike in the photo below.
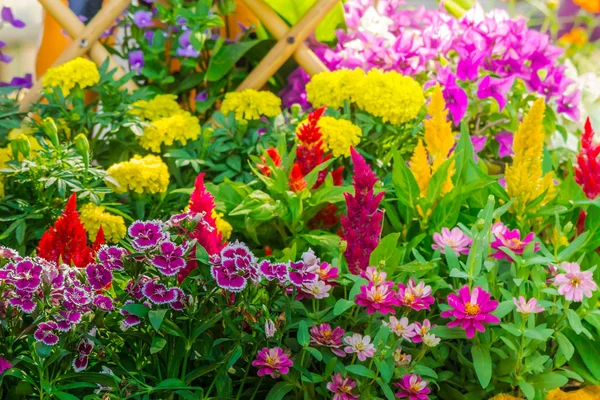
(587, 170)
(100, 240)
(273, 155)
(309, 134)
(66, 241)
(297, 182)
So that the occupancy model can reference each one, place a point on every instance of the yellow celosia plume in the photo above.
(524, 179)
(438, 140)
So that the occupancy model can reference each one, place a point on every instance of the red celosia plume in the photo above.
(66, 241)
(587, 170)
(274, 156)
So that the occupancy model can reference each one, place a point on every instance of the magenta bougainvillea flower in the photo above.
(4, 365)
(505, 144)
(455, 239)
(359, 345)
(416, 297)
(380, 298)
(575, 284)
(146, 234)
(496, 88)
(170, 259)
(323, 335)
(413, 387)
(363, 222)
(420, 330)
(342, 388)
(527, 307)
(512, 241)
(272, 362)
(401, 327)
(470, 310)
(45, 333)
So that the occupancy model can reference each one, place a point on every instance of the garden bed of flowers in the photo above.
(421, 222)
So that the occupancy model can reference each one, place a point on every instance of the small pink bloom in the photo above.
(471, 309)
(323, 335)
(527, 307)
(4, 365)
(401, 327)
(327, 272)
(512, 241)
(342, 387)
(420, 330)
(361, 345)
(372, 275)
(318, 289)
(574, 284)
(272, 362)
(413, 387)
(378, 298)
(416, 297)
(270, 329)
(455, 239)
(402, 359)
(498, 229)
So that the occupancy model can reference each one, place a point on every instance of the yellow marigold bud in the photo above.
(251, 104)
(339, 135)
(390, 95)
(140, 174)
(182, 127)
(576, 36)
(419, 165)
(332, 88)
(78, 72)
(222, 226)
(161, 106)
(93, 216)
(524, 179)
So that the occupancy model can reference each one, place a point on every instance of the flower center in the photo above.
(409, 298)
(415, 388)
(516, 243)
(359, 346)
(377, 297)
(575, 281)
(450, 242)
(471, 309)
(271, 360)
(346, 389)
(327, 334)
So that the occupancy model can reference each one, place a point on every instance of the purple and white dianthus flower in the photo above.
(234, 267)
(146, 234)
(273, 271)
(158, 293)
(170, 260)
(104, 303)
(111, 256)
(45, 333)
(98, 276)
(27, 275)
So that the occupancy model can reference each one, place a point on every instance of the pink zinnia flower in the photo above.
(413, 387)
(323, 335)
(402, 359)
(527, 307)
(318, 289)
(420, 330)
(328, 272)
(378, 298)
(361, 345)
(401, 327)
(272, 362)
(511, 240)
(342, 387)
(574, 285)
(416, 297)
(4, 365)
(455, 239)
(471, 310)
(372, 275)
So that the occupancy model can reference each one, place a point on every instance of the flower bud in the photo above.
(50, 129)
(242, 126)
(83, 148)
(295, 109)
(480, 224)
(552, 4)
(22, 145)
(568, 227)
(270, 329)
(343, 246)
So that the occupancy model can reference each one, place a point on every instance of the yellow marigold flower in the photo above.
(332, 88)
(79, 71)
(419, 165)
(389, 95)
(577, 37)
(182, 127)
(251, 104)
(592, 6)
(524, 179)
(140, 174)
(161, 106)
(222, 226)
(339, 135)
(93, 216)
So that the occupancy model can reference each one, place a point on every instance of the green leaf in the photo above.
(538, 333)
(158, 343)
(575, 246)
(156, 317)
(504, 308)
(482, 361)
(528, 389)
(406, 187)
(43, 350)
(574, 321)
(588, 350)
(278, 391)
(315, 353)
(565, 346)
(226, 57)
(385, 387)
(235, 355)
(136, 309)
(448, 333)
(548, 381)
(303, 336)
(387, 251)
(360, 370)
(64, 396)
(434, 188)
(170, 383)
(341, 306)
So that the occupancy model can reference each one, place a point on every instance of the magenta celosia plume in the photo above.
(363, 222)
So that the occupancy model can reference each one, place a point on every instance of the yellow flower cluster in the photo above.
(182, 126)
(93, 216)
(389, 95)
(6, 153)
(524, 178)
(251, 104)
(222, 226)
(79, 71)
(332, 88)
(439, 140)
(339, 135)
(161, 106)
(140, 174)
